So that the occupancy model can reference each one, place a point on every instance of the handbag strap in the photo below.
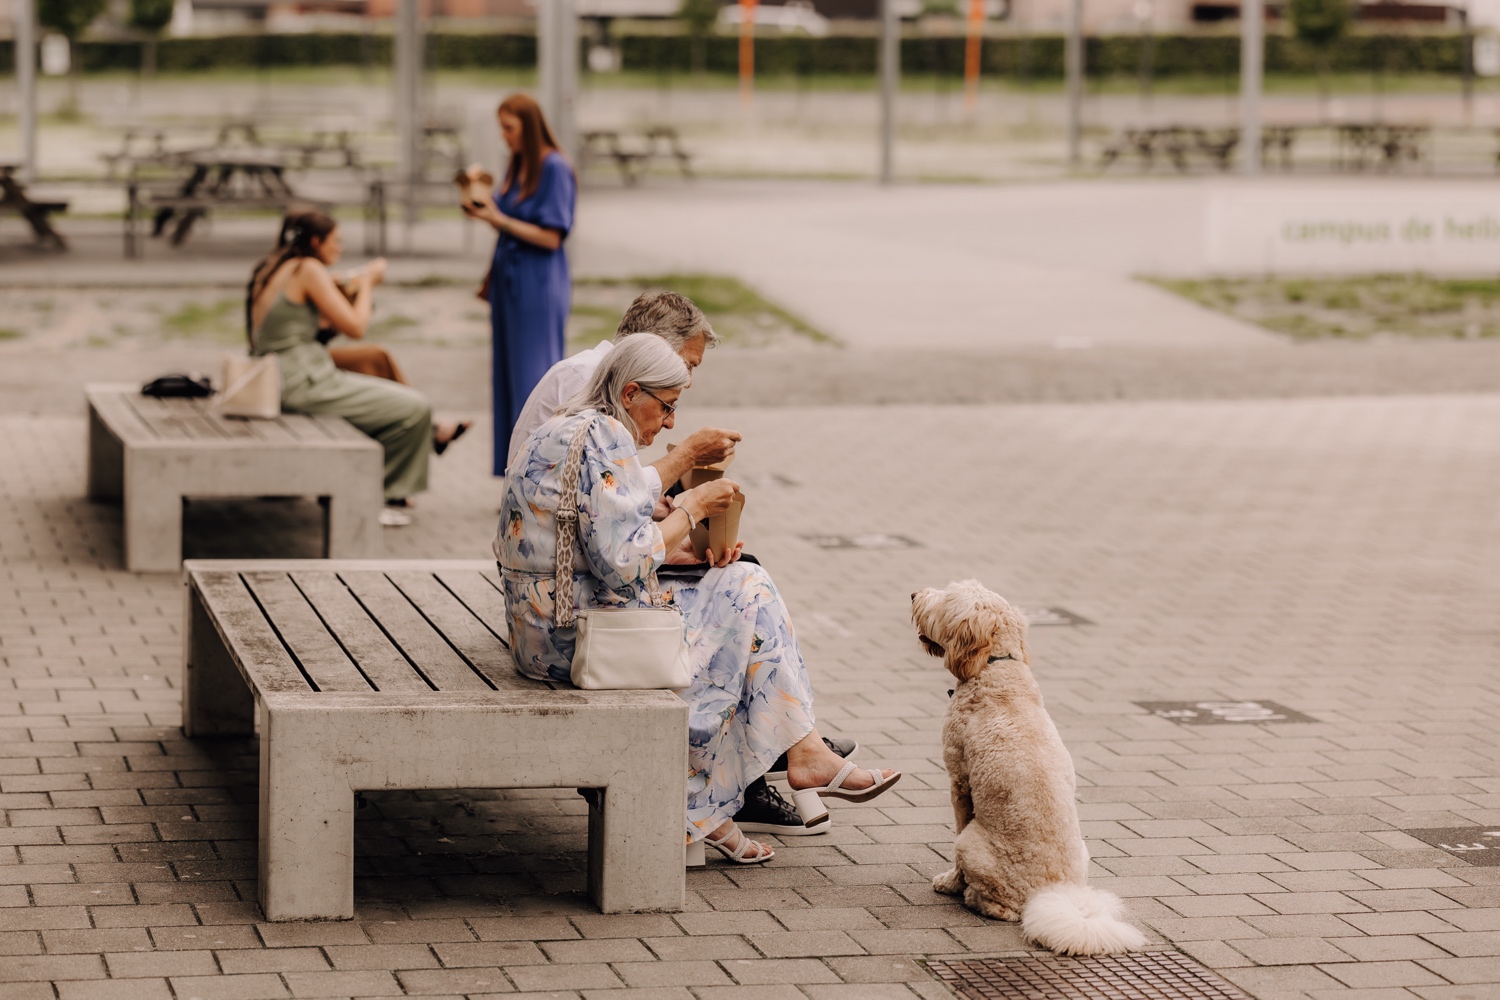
(564, 614)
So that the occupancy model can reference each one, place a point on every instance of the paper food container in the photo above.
(475, 184)
(720, 532)
(699, 475)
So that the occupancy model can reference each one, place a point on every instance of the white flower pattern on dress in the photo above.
(750, 698)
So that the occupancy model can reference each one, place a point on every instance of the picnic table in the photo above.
(1178, 143)
(14, 198)
(217, 179)
(633, 153)
(371, 675)
(1380, 144)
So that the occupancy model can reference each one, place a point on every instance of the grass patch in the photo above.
(6, 333)
(221, 320)
(1353, 308)
(740, 315)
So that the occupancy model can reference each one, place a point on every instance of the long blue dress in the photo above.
(530, 291)
(750, 698)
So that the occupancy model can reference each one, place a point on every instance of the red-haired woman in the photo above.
(529, 287)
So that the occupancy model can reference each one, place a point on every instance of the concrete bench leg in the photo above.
(216, 701)
(636, 840)
(153, 516)
(306, 860)
(351, 526)
(106, 475)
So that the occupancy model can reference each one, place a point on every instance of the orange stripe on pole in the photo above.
(971, 54)
(747, 51)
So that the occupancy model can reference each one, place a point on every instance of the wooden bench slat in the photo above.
(248, 635)
(381, 662)
(121, 417)
(412, 634)
(481, 594)
(175, 422)
(458, 624)
(304, 633)
(278, 430)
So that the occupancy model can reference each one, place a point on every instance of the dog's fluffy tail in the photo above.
(1079, 920)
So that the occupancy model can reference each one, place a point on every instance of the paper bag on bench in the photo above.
(251, 387)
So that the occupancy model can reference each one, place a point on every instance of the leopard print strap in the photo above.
(567, 528)
(564, 615)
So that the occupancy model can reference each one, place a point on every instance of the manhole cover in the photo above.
(1478, 845)
(1215, 713)
(1148, 975)
(871, 541)
(1053, 616)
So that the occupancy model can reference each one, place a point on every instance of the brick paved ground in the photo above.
(1341, 557)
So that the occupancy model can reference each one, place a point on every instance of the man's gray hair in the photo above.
(649, 362)
(670, 316)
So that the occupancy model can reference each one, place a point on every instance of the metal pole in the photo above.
(890, 76)
(1467, 64)
(1252, 63)
(1073, 58)
(409, 106)
(25, 28)
(557, 67)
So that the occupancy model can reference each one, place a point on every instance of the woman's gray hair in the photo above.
(649, 362)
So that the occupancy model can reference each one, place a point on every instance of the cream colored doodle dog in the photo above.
(1019, 853)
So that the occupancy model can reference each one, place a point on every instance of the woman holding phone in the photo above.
(528, 288)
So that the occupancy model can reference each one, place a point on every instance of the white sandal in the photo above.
(835, 788)
(737, 855)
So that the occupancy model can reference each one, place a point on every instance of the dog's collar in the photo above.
(993, 659)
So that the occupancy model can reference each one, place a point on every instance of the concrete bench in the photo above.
(394, 675)
(153, 453)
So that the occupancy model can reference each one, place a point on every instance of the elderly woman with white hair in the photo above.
(750, 699)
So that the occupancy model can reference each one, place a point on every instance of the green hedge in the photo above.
(1038, 57)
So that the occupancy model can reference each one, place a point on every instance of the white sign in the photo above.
(1364, 229)
(57, 55)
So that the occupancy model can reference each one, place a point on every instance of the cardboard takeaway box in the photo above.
(475, 185)
(717, 533)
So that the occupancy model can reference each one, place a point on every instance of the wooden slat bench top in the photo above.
(143, 421)
(386, 674)
(400, 628)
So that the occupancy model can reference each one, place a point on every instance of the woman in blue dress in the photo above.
(528, 287)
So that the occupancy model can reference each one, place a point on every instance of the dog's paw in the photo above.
(950, 883)
(986, 907)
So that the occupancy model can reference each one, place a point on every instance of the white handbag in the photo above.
(251, 387)
(614, 648)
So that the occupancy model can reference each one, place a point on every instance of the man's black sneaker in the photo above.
(844, 747)
(765, 811)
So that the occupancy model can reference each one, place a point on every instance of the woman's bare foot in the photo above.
(728, 838)
(810, 764)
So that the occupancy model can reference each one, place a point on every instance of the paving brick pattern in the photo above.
(1340, 557)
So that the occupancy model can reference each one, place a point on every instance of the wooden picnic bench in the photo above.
(633, 155)
(154, 453)
(13, 198)
(396, 675)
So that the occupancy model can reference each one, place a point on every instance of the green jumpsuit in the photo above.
(397, 416)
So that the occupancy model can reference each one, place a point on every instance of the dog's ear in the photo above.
(968, 646)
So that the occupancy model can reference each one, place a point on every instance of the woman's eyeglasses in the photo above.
(668, 408)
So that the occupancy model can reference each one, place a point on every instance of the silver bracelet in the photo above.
(692, 521)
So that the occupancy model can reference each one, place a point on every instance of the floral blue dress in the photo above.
(750, 699)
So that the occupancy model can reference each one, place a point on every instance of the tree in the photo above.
(699, 17)
(150, 16)
(1320, 23)
(69, 18)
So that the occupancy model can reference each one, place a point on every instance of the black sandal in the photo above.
(439, 447)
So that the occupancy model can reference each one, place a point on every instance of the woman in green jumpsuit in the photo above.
(291, 296)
